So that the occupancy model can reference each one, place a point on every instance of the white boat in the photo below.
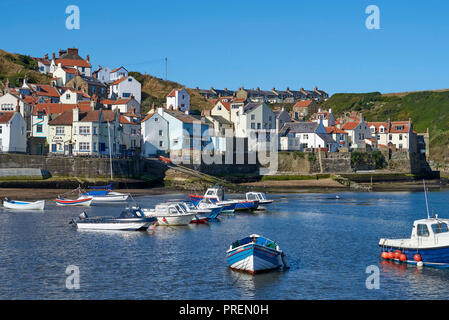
(258, 196)
(24, 205)
(428, 244)
(170, 214)
(99, 196)
(255, 254)
(81, 201)
(131, 219)
(217, 195)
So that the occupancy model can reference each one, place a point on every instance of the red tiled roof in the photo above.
(123, 120)
(350, 125)
(70, 70)
(73, 62)
(377, 125)
(335, 130)
(5, 117)
(404, 124)
(302, 103)
(55, 108)
(47, 90)
(115, 102)
(118, 81)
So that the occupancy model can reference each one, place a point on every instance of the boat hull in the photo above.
(254, 258)
(86, 202)
(434, 257)
(118, 224)
(22, 205)
(180, 220)
(108, 197)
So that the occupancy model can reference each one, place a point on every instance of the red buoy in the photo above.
(417, 257)
(391, 255)
(397, 254)
(385, 255)
(403, 257)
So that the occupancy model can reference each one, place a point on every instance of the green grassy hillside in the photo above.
(427, 109)
(16, 66)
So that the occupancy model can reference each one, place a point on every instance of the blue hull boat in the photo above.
(255, 254)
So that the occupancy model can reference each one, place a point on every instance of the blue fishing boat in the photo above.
(217, 195)
(427, 246)
(255, 254)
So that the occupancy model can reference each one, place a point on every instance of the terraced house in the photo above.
(85, 133)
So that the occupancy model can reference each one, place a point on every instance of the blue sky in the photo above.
(251, 43)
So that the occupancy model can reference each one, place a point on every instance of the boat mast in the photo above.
(425, 195)
(110, 152)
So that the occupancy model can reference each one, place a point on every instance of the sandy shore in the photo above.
(51, 194)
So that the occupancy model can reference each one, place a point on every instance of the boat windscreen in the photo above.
(129, 213)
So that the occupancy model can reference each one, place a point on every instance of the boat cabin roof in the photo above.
(132, 213)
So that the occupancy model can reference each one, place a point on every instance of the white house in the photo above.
(118, 73)
(103, 74)
(306, 135)
(124, 88)
(357, 131)
(339, 135)
(12, 132)
(154, 130)
(123, 105)
(326, 117)
(85, 133)
(70, 59)
(11, 102)
(178, 99)
(397, 133)
(71, 96)
(254, 117)
(62, 74)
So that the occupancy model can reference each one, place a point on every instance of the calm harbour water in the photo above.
(329, 243)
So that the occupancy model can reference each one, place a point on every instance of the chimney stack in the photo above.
(46, 56)
(88, 58)
(76, 114)
(53, 56)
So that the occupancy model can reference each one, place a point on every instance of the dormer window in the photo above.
(382, 129)
(373, 129)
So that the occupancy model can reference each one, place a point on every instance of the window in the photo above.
(84, 130)
(373, 130)
(160, 133)
(253, 125)
(219, 108)
(40, 115)
(53, 147)
(67, 96)
(94, 147)
(95, 130)
(39, 128)
(306, 137)
(422, 230)
(161, 143)
(378, 137)
(156, 119)
(390, 137)
(60, 130)
(253, 117)
(1, 129)
(126, 94)
(439, 227)
(130, 79)
(400, 146)
(84, 147)
(382, 129)
(258, 125)
(400, 137)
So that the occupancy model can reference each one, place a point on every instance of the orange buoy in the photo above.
(391, 255)
(403, 257)
(397, 254)
(385, 255)
(417, 257)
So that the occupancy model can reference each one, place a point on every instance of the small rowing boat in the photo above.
(82, 201)
(23, 205)
(255, 254)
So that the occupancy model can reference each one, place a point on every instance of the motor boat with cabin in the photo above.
(260, 196)
(428, 244)
(255, 254)
(130, 219)
(23, 205)
(217, 195)
(170, 214)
